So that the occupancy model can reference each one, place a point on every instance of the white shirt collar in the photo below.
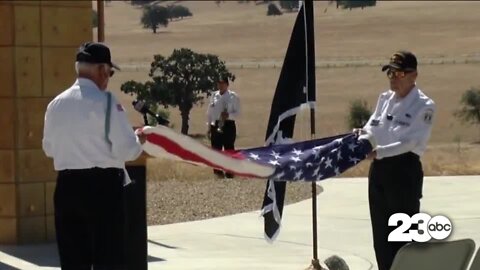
(87, 83)
(410, 97)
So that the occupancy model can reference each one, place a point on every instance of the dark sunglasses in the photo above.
(397, 74)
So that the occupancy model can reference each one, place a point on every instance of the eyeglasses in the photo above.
(112, 72)
(397, 74)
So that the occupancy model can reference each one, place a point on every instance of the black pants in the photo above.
(224, 140)
(395, 186)
(89, 219)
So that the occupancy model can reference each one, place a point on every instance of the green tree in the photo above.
(162, 112)
(183, 79)
(470, 110)
(273, 10)
(140, 2)
(359, 113)
(355, 3)
(289, 5)
(94, 18)
(179, 11)
(154, 16)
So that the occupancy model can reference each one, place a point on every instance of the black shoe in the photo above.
(219, 174)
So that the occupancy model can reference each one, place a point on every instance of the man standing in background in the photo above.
(223, 109)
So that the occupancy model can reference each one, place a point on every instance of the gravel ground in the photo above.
(173, 201)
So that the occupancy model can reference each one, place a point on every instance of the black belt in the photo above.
(398, 158)
(226, 121)
(90, 170)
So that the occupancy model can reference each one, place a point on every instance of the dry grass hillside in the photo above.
(243, 34)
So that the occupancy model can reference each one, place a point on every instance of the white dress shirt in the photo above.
(401, 125)
(229, 101)
(74, 131)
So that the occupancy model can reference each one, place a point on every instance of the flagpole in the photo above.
(101, 21)
(315, 262)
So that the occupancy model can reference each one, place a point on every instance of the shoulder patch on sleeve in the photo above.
(428, 116)
(120, 108)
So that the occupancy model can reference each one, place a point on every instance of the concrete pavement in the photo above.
(236, 242)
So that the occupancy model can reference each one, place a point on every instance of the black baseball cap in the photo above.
(402, 61)
(95, 53)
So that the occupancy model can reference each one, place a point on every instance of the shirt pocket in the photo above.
(401, 127)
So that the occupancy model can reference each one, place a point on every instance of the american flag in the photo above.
(311, 160)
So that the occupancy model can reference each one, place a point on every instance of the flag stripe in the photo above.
(162, 140)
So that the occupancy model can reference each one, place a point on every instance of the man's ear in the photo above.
(414, 75)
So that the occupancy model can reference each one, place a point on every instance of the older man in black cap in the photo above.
(401, 126)
(88, 136)
(223, 109)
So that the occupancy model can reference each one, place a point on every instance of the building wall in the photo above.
(37, 53)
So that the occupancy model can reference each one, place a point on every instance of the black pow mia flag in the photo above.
(295, 87)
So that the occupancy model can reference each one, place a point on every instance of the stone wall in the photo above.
(37, 53)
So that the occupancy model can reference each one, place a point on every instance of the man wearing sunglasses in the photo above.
(401, 126)
(87, 134)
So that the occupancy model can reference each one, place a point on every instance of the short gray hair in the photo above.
(81, 67)
(85, 67)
